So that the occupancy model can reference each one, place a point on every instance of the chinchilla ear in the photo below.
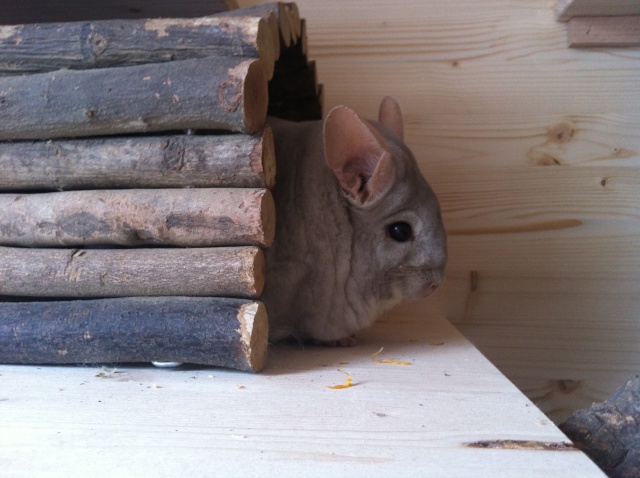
(357, 155)
(390, 117)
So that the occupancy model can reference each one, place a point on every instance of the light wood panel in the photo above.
(534, 149)
(567, 9)
(594, 32)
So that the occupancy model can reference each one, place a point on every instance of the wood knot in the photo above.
(98, 43)
(229, 94)
(561, 133)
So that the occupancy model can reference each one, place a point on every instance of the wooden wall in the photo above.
(534, 150)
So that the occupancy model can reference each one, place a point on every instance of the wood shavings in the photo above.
(107, 372)
(346, 384)
(240, 387)
(389, 361)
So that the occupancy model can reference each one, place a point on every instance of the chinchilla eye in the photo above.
(400, 231)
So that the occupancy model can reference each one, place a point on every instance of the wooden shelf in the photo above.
(567, 9)
(396, 420)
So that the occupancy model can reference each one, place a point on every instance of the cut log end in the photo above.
(256, 95)
(254, 334)
(266, 47)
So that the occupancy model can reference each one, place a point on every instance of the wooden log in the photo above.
(133, 217)
(139, 162)
(222, 332)
(84, 273)
(38, 11)
(609, 432)
(42, 47)
(208, 93)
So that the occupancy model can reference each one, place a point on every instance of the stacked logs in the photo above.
(135, 174)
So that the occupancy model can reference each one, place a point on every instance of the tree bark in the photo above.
(87, 273)
(139, 162)
(43, 47)
(222, 332)
(176, 217)
(208, 93)
(609, 432)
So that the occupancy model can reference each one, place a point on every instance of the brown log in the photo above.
(609, 432)
(85, 273)
(38, 11)
(133, 217)
(208, 93)
(139, 162)
(222, 332)
(42, 47)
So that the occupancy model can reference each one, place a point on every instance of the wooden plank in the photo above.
(567, 9)
(593, 32)
(170, 161)
(216, 331)
(464, 142)
(412, 420)
(38, 11)
(83, 273)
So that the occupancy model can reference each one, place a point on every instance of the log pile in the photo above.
(135, 172)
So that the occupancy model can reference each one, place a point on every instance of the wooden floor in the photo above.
(395, 420)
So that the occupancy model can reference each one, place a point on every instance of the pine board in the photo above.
(395, 421)
(567, 9)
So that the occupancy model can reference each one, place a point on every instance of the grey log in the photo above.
(246, 161)
(222, 332)
(92, 273)
(42, 47)
(134, 217)
(209, 93)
